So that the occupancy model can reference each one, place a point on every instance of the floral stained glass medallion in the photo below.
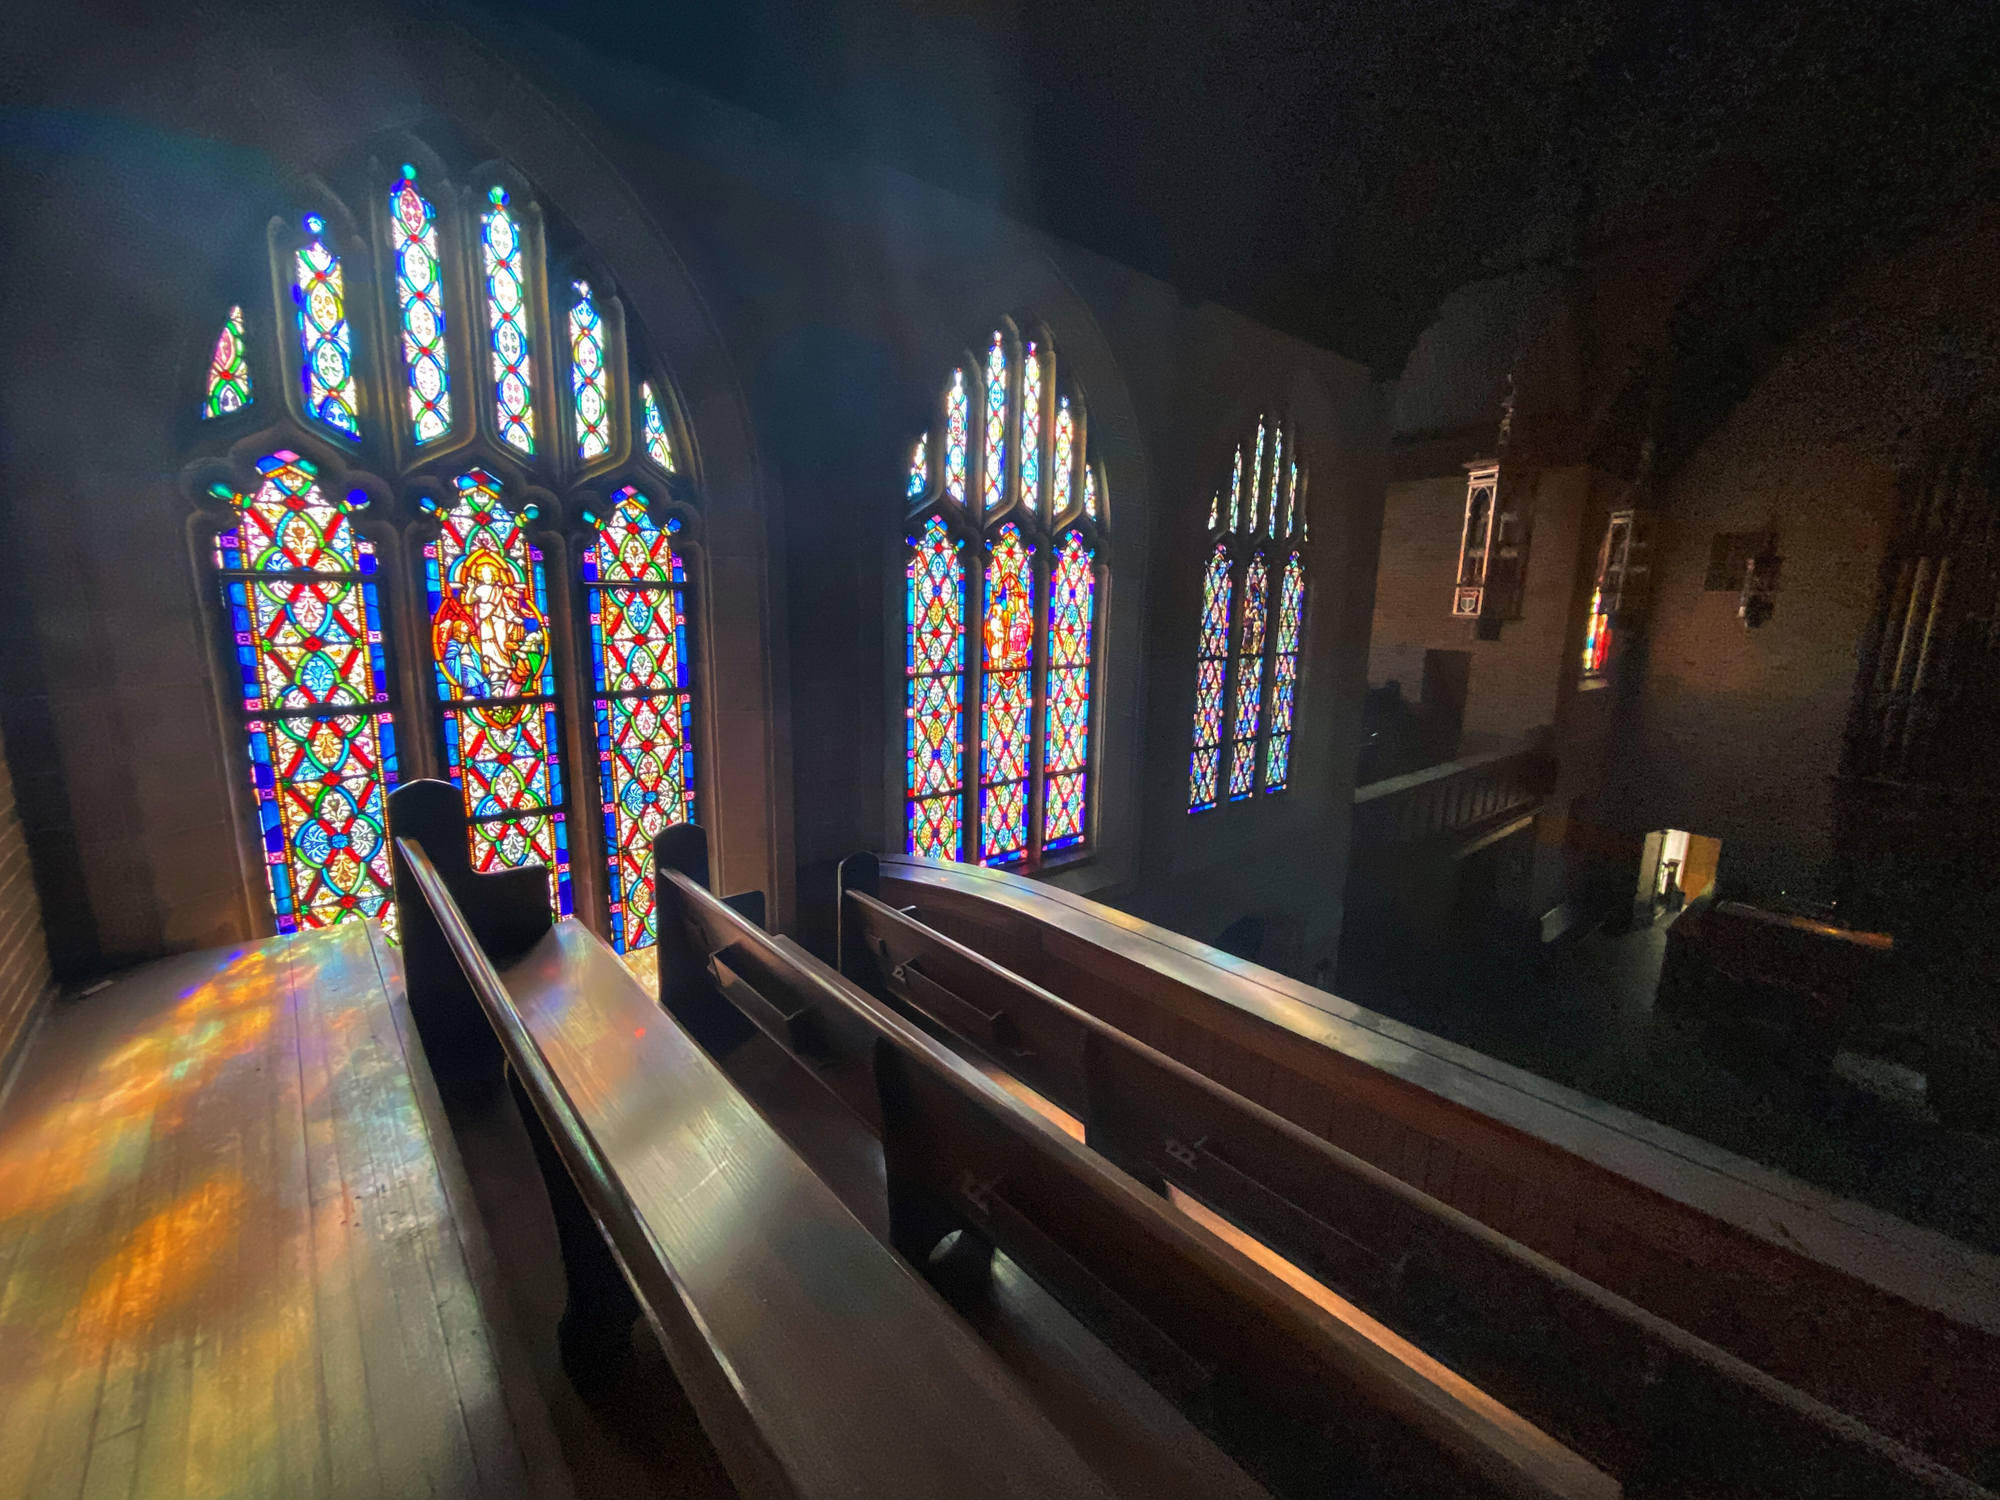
(653, 426)
(645, 712)
(228, 370)
(507, 316)
(326, 343)
(496, 684)
(299, 584)
(1006, 685)
(590, 382)
(420, 299)
(934, 749)
(1066, 736)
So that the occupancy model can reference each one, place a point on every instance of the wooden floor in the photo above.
(236, 1256)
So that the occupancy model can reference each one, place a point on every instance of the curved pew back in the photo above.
(1894, 1325)
(1298, 1396)
(1650, 1402)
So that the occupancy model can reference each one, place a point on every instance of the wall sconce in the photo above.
(1760, 586)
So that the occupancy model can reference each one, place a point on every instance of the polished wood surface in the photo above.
(1894, 1325)
(1650, 1402)
(235, 1252)
(965, 1155)
(819, 1364)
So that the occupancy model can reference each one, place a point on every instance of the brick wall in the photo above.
(24, 958)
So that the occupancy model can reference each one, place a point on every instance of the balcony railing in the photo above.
(1447, 802)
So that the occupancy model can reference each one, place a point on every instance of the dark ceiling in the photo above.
(1335, 169)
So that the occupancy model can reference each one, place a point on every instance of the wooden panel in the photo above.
(1820, 1292)
(230, 1258)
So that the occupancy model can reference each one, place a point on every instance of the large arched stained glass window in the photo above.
(1253, 599)
(299, 585)
(1021, 566)
(489, 606)
(439, 427)
(645, 713)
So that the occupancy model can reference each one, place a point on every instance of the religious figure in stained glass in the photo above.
(1028, 796)
(644, 711)
(420, 294)
(490, 646)
(326, 344)
(1072, 613)
(935, 643)
(507, 315)
(1249, 699)
(228, 370)
(1006, 667)
(590, 382)
(299, 584)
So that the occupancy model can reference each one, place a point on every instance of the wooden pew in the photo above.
(1659, 1408)
(818, 1365)
(1305, 1402)
(1896, 1326)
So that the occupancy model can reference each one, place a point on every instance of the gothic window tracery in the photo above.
(1006, 541)
(542, 590)
(1253, 600)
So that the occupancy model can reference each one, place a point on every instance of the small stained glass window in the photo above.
(957, 425)
(299, 584)
(920, 468)
(228, 370)
(644, 710)
(420, 297)
(993, 473)
(654, 427)
(1031, 429)
(326, 343)
(590, 381)
(507, 316)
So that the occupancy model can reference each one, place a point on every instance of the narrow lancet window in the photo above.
(993, 473)
(1072, 614)
(1031, 430)
(228, 370)
(1211, 686)
(420, 299)
(1285, 675)
(1065, 460)
(507, 316)
(326, 343)
(1007, 664)
(653, 428)
(957, 435)
(590, 382)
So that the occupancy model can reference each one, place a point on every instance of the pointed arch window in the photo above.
(497, 594)
(1253, 602)
(1023, 567)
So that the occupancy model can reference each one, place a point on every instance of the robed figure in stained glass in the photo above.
(488, 635)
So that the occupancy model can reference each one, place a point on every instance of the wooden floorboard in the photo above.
(230, 1260)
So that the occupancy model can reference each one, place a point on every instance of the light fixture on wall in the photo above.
(1493, 542)
(1760, 586)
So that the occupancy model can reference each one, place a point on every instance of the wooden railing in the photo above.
(1445, 803)
(1663, 1411)
(1891, 1325)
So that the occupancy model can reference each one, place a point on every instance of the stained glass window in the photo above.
(1256, 474)
(1066, 760)
(228, 370)
(1285, 675)
(1007, 663)
(935, 642)
(1277, 468)
(993, 473)
(1236, 493)
(645, 712)
(1212, 666)
(654, 428)
(507, 314)
(1249, 696)
(420, 296)
(957, 434)
(489, 612)
(1291, 495)
(1031, 429)
(1028, 793)
(1065, 459)
(589, 381)
(299, 584)
(326, 343)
